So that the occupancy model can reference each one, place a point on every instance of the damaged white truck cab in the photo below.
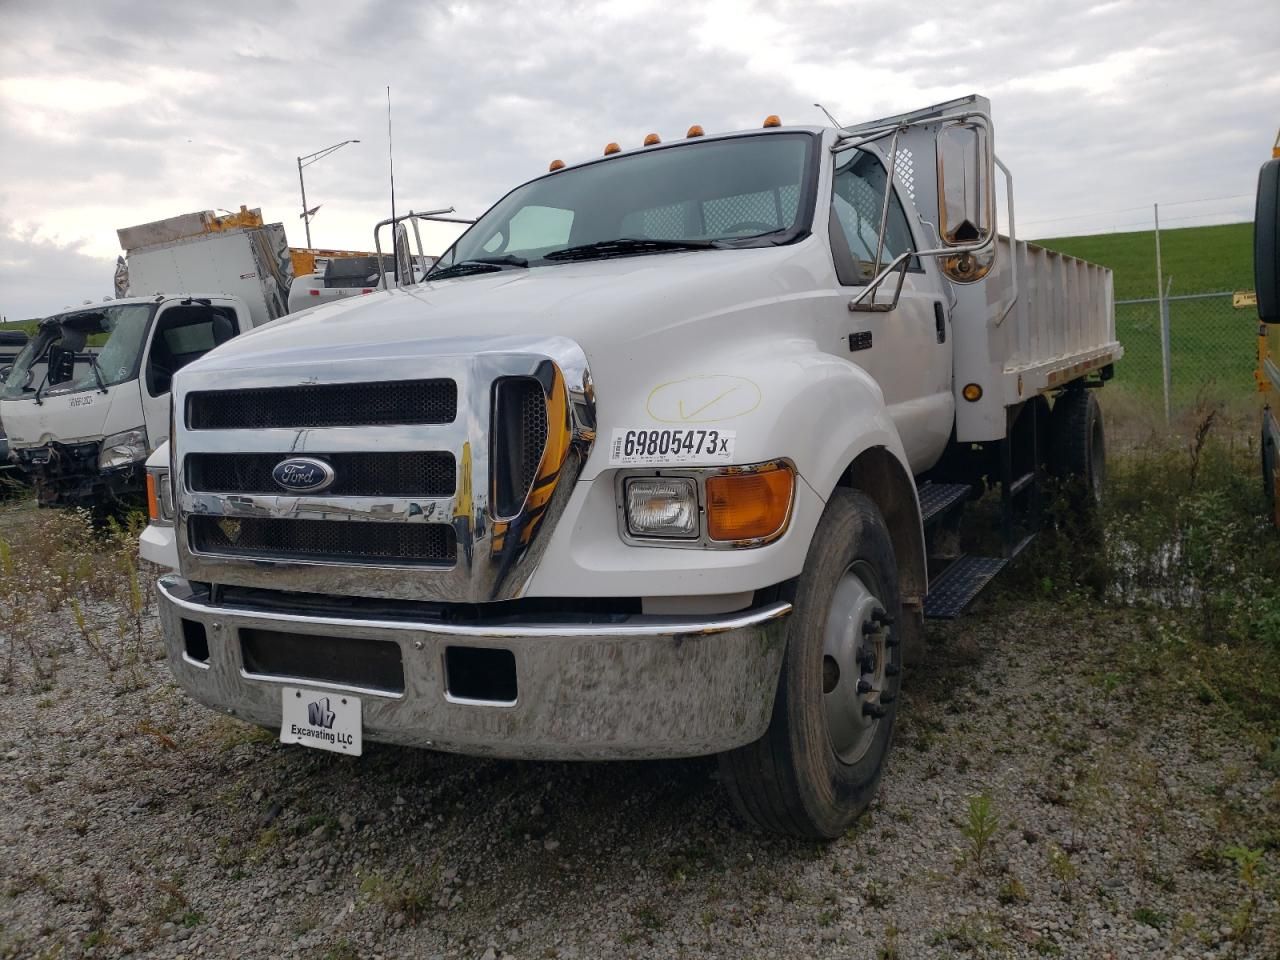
(656, 462)
(87, 399)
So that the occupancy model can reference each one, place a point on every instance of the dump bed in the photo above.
(1038, 321)
(1063, 323)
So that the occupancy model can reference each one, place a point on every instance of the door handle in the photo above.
(940, 321)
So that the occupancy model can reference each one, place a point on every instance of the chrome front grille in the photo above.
(323, 540)
(412, 474)
(451, 460)
(324, 405)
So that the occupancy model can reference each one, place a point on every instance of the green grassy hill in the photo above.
(1212, 345)
(1199, 259)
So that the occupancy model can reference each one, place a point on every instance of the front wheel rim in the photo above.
(855, 661)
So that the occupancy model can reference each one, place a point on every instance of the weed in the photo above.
(889, 949)
(1064, 871)
(1012, 891)
(1248, 868)
(1152, 918)
(876, 897)
(979, 828)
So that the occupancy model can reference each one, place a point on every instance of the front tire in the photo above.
(818, 765)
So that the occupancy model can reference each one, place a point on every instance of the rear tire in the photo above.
(1078, 446)
(818, 765)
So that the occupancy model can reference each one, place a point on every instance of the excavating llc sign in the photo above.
(325, 721)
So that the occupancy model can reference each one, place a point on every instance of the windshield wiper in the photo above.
(625, 245)
(478, 265)
(97, 374)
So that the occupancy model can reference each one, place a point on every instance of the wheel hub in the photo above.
(855, 664)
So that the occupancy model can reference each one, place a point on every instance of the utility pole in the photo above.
(306, 161)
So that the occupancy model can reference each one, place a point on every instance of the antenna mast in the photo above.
(391, 163)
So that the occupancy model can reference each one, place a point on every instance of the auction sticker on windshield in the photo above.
(671, 446)
(326, 721)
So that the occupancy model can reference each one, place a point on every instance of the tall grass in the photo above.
(54, 563)
(1184, 538)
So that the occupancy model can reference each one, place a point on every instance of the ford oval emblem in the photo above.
(303, 475)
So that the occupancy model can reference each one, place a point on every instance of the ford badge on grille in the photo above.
(303, 475)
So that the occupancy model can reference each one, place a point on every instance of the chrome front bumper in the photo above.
(646, 687)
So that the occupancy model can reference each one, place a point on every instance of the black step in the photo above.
(1022, 483)
(954, 590)
(937, 498)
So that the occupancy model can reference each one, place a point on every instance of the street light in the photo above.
(306, 161)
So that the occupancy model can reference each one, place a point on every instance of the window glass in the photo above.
(719, 190)
(856, 202)
(536, 227)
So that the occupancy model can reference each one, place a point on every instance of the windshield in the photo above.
(743, 191)
(114, 334)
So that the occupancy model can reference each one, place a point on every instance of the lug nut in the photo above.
(873, 710)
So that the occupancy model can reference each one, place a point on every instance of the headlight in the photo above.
(159, 497)
(662, 507)
(122, 449)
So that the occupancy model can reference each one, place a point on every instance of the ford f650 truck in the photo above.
(663, 458)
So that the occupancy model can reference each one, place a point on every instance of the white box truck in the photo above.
(663, 458)
(81, 424)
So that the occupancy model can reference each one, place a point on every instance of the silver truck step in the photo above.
(956, 588)
(937, 498)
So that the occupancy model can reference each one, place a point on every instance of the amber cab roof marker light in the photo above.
(651, 138)
(611, 148)
(772, 121)
(695, 131)
(556, 165)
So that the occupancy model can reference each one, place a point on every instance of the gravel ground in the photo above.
(138, 823)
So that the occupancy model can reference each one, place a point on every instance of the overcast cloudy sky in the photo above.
(117, 112)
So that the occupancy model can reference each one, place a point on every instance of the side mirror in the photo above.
(62, 364)
(1266, 243)
(966, 199)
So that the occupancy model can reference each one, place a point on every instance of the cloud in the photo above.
(39, 277)
(156, 109)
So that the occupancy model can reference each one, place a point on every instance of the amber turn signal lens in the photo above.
(556, 165)
(651, 138)
(972, 392)
(749, 506)
(611, 148)
(694, 131)
(772, 120)
(153, 500)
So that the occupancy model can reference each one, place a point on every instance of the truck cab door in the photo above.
(907, 350)
(183, 331)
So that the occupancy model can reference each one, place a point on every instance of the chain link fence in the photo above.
(1204, 362)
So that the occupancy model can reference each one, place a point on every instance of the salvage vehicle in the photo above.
(81, 423)
(11, 344)
(666, 457)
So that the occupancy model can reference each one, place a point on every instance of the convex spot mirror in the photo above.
(1266, 242)
(966, 200)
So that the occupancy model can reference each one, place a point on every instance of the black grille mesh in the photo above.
(349, 541)
(324, 405)
(416, 474)
(519, 437)
(533, 431)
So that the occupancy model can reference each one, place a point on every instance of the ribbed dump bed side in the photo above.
(1062, 322)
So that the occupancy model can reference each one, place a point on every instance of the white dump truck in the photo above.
(82, 422)
(664, 458)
